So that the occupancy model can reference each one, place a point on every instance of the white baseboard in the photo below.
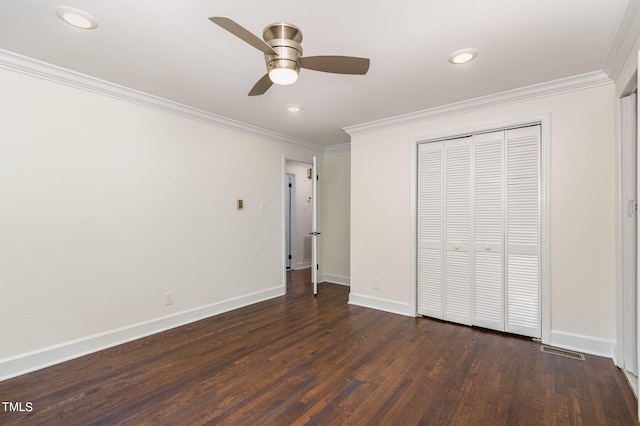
(46, 357)
(335, 279)
(302, 265)
(633, 382)
(380, 304)
(581, 343)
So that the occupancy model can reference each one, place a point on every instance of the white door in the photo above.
(479, 225)
(488, 230)
(314, 226)
(522, 238)
(430, 228)
(457, 231)
(444, 230)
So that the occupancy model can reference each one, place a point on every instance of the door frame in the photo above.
(619, 356)
(621, 211)
(545, 204)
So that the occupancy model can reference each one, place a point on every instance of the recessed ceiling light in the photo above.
(77, 18)
(294, 108)
(462, 56)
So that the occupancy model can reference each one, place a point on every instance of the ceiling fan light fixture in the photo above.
(283, 76)
(462, 56)
(76, 18)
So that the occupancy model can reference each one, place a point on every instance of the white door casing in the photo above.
(314, 226)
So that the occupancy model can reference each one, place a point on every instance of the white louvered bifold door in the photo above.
(479, 230)
(488, 286)
(457, 230)
(523, 231)
(430, 229)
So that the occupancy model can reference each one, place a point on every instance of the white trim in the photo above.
(46, 357)
(340, 147)
(545, 225)
(545, 198)
(624, 46)
(618, 355)
(579, 82)
(335, 279)
(302, 265)
(413, 223)
(582, 343)
(380, 304)
(34, 68)
(633, 382)
(283, 218)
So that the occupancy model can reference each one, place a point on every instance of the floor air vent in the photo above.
(562, 352)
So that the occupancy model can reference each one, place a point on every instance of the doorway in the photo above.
(301, 218)
(299, 215)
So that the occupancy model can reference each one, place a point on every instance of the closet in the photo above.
(479, 230)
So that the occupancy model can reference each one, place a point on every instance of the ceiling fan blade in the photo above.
(261, 86)
(243, 34)
(336, 64)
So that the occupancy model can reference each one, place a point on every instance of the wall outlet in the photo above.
(375, 284)
(168, 298)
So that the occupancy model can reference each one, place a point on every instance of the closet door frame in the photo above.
(544, 201)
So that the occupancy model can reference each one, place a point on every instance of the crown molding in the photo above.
(582, 81)
(625, 46)
(35, 68)
(338, 147)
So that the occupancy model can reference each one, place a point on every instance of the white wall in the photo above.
(302, 207)
(582, 211)
(336, 178)
(105, 205)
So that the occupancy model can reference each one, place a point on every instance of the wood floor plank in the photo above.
(300, 359)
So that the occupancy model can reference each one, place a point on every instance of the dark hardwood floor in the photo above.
(301, 359)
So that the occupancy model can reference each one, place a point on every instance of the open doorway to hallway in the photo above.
(298, 211)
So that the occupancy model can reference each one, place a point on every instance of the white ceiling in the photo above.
(170, 49)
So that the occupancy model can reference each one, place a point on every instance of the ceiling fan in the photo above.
(283, 55)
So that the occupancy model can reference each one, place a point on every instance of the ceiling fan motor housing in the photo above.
(285, 40)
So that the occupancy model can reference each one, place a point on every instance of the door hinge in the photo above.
(290, 185)
(317, 267)
(289, 257)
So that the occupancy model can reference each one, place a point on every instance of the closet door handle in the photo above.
(456, 247)
(487, 247)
